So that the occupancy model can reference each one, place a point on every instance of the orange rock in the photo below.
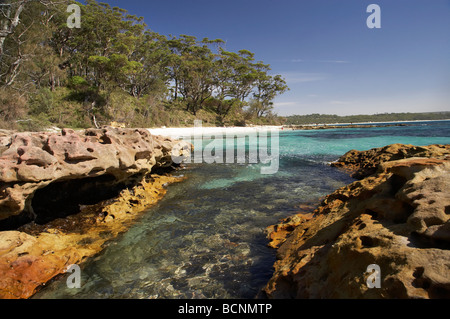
(31, 162)
(396, 218)
(278, 234)
(35, 254)
(361, 164)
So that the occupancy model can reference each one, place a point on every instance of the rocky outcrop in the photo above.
(396, 218)
(40, 171)
(34, 254)
(82, 190)
(361, 164)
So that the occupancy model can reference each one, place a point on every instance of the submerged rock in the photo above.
(396, 218)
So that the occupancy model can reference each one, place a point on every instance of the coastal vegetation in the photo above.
(115, 69)
(381, 117)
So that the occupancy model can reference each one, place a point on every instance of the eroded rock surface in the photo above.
(101, 158)
(34, 254)
(361, 164)
(397, 218)
(101, 178)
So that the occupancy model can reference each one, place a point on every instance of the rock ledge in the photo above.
(81, 189)
(397, 216)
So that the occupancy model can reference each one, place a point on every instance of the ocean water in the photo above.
(206, 238)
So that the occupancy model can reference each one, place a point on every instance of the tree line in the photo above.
(382, 117)
(114, 68)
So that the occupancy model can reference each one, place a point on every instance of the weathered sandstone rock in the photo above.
(33, 163)
(364, 163)
(34, 254)
(83, 188)
(397, 218)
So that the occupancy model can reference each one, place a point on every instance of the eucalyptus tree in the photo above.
(24, 24)
(113, 58)
(267, 88)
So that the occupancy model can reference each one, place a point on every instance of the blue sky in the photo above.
(333, 63)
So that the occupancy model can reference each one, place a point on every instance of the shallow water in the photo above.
(206, 238)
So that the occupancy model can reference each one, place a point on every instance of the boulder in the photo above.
(396, 218)
(90, 162)
(82, 189)
(361, 164)
(26, 264)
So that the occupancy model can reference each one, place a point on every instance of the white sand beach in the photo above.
(205, 131)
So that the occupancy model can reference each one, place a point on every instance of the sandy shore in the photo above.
(180, 132)
(205, 131)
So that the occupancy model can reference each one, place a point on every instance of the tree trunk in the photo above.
(4, 30)
(8, 29)
(2, 41)
(95, 121)
(52, 82)
(176, 89)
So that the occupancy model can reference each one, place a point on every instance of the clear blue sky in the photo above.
(333, 63)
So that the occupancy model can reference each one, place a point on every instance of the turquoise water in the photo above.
(206, 238)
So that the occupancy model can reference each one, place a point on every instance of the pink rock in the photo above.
(32, 161)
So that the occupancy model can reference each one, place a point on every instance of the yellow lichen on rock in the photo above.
(34, 255)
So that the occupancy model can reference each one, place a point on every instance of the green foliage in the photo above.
(12, 107)
(385, 117)
(113, 69)
(77, 83)
(41, 102)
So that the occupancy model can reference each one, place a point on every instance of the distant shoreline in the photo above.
(176, 132)
(369, 123)
(332, 119)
